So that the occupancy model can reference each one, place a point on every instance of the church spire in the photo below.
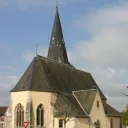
(57, 49)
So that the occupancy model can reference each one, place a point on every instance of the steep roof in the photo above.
(45, 74)
(69, 99)
(110, 111)
(86, 99)
(57, 49)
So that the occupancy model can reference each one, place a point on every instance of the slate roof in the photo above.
(110, 111)
(48, 75)
(86, 99)
(69, 99)
(83, 102)
(2, 110)
(57, 49)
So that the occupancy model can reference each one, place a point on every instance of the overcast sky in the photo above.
(95, 33)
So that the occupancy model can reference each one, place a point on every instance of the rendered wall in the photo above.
(70, 124)
(16, 98)
(97, 113)
(46, 98)
(74, 123)
(83, 123)
(116, 121)
(43, 98)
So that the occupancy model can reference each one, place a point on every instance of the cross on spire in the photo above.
(56, 3)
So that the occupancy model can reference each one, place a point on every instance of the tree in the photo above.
(64, 112)
(125, 114)
(125, 117)
(124, 93)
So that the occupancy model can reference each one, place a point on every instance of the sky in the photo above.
(95, 33)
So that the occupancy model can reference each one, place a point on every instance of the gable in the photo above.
(97, 110)
(68, 99)
(86, 99)
(98, 113)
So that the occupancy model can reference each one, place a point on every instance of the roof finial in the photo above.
(56, 4)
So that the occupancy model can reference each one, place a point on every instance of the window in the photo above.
(111, 123)
(60, 123)
(19, 115)
(98, 104)
(40, 115)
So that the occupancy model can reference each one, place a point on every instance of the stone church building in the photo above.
(55, 79)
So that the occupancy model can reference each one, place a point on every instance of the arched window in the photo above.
(40, 115)
(19, 115)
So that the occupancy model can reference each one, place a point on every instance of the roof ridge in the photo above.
(61, 63)
(65, 93)
(72, 103)
(67, 65)
(86, 90)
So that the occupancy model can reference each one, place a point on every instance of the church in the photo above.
(55, 79)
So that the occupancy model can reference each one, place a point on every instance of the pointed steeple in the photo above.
(57, 49)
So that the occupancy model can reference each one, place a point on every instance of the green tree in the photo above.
(125, 117)
(64, 112)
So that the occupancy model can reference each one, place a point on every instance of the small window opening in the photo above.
(60, 123)
(98, 104)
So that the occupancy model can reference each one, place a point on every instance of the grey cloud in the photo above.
(108, 45)
(105, 54)
(4, 3)
(6, 84)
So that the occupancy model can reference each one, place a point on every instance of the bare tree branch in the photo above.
(65, 112)
(124, 94)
